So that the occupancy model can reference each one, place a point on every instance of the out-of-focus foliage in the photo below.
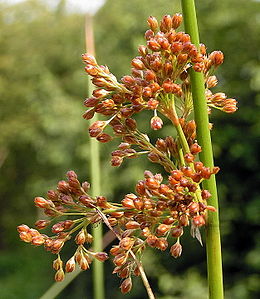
(42, 85)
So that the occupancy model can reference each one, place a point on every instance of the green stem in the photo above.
(98, 268)
(213, 244)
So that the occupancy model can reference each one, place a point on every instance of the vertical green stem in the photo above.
(213, 245)
(98, 268)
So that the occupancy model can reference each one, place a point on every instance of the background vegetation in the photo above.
(42, 87)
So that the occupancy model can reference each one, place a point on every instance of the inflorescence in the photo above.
(160, 209)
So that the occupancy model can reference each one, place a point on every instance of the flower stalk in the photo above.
(98, 268)
(213, 243)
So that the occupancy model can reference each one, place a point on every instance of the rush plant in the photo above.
(163, 81)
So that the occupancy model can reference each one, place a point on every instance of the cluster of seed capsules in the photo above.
(68, 200)
(161, 71)
(146, 218)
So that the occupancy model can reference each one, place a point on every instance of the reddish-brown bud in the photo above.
(153, 23)
(216, 57)
(156, 123)
(23, 228)
(89, 59)
(199, 220)
(184, 220)
(59, 276)
(81, 237)
(126, 285)
(176, 20)
(162, 229)
(132, 225)
(205, 194)
(101, 256)
(126, 243)
(177, 231)
(176, 250)
(41, 202)
(70, 265)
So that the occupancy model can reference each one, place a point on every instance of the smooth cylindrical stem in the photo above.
(98, 268)
(213, 244)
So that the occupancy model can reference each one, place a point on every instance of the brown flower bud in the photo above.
(177, 231)
(167, 22)
(59, 276)
(199, 220)
(23, 228)
(89, 113)
(151, 240)
(176, 20)
(103, 138)
(153, 23)
(25, 236)
(57, 264)
(120, 259)
(189, 157)
(142, 50)
(184, 220)
(91, 70)
(216, 57)
(176, 250)
(126, 285)
(156, 123)
(80, 239)
(70, 265)
(89, 59)
(161, 244)
(153, 45)
(38, 240)
(162, 229)
(126, 243)
(101, 256)
(41, 202)
(132, 225)
(138, 64)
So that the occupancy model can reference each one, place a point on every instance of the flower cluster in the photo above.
(160, 208)
(159, 79)
(69, 200)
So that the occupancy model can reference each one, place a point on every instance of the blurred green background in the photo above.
(42, 135)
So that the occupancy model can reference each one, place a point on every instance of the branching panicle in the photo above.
(160, 207)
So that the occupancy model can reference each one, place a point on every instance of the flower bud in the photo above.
(25, 236)
(216, 57)
(41, 202)
(162, 229)
(101, 256)
(70, 265)
(153, 23)
(89, 59)
(177, 231)
(132, 225)
(120, 259)
(176, 20)
(138, 64)
(23, 228)
(38, 240)
(156, 123)
(199, 220)
(59, 276)
(126, 243)
(176, 250)
(161, 244)
(80, 239)
(126, 285)
(57, 264)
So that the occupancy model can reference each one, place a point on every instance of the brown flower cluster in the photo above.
(159, 79)
(160, 209)
(69, 200)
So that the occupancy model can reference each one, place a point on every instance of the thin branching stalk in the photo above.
(138, 263)
(98, 268)
(213, 244)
